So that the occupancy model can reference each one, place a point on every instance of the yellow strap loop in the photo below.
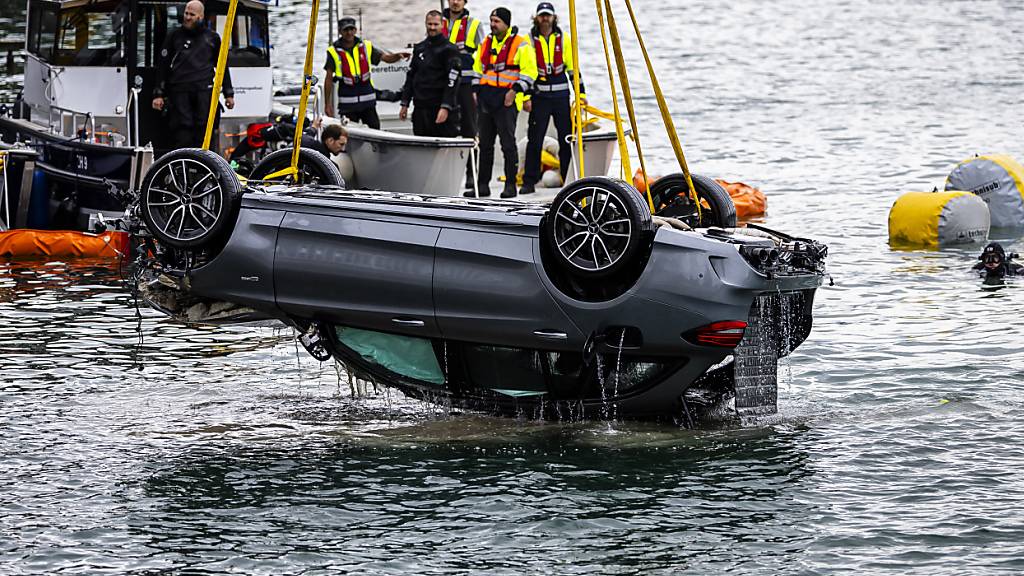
(620, 63)
(307, 83)
(663, 107)
(218, 77)
(577, 109)
(625, 167)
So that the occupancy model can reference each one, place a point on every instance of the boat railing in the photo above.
(63, 114)
(132, 118)
(5, 216)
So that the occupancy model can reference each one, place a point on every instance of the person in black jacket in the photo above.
(995, 263)
(432, 83)
(185, 72)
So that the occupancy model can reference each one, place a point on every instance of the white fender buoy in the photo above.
(551, 179)
(344, 163)
(999, 180)
(936, 219)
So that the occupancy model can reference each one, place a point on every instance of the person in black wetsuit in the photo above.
(995, 264)
(432, 83)
(185, 73)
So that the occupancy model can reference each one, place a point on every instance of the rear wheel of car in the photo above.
(189, 198)
(314, 168)
(597, 226)
(671, 197)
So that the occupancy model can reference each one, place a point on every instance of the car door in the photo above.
(357, 269)
(487, 290)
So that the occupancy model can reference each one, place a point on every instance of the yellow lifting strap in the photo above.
(627, 95)
(670, 127)
(615, 117)
(218, 77)
(577, 108)
(307, 84)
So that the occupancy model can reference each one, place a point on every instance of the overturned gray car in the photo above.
(589, 306)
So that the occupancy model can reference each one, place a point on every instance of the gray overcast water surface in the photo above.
(897, 448)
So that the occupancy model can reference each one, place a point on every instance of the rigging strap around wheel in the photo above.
(218, 77)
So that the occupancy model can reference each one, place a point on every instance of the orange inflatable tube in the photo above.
(750, 202)
(36, 244)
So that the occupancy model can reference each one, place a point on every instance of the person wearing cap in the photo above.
(995, 263)
(505, 69)
(348, 65)
(466, 33)
(432, 83)
(550, 99)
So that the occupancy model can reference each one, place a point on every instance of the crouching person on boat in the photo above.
(506, 69)
(348, 65)
(550, 100)
(432, 83)
(185, 74)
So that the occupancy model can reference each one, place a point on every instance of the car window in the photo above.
(404, 355)
(510, 371)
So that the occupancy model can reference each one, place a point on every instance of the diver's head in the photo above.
(993, 257)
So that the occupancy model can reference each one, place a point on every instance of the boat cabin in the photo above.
(91, 64)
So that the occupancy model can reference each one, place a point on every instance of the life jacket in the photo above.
(462, 33)
(355, 67)
(500, 68)
(549, 54)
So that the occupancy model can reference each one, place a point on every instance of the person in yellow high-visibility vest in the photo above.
(467, 34)
(550, 101)
(348, 65)
(506, 67)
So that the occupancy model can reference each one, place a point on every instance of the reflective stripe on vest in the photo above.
(462, 35)
(500, 69)
(371, 97)
(355, 68)
(549, 55)
(564, 86)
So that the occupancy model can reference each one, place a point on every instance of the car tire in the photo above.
(671, 198)
(590, 244)
(189, 198)
(314, 168)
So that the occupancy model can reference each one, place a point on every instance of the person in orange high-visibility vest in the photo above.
(550, 100)
(506, 68)
(467, 34)
(348, 65)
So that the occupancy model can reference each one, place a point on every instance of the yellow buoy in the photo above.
(936, 219)
(999, 180)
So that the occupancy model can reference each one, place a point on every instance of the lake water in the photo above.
(130, 444)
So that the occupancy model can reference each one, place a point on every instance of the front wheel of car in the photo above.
(671, 197)
(597, 226)
(313, 167)
(189, 197)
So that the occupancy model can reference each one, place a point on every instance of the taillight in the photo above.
(726, 334)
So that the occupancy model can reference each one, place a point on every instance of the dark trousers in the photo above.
(423, 122)
(545, 108)
(367, 116)
(494, 119)
(467, 121)
(188, 111)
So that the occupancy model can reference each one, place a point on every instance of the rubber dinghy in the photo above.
(590, 305)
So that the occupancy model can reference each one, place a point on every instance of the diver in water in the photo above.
(995, 263)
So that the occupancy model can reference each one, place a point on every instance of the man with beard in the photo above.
(466, 33)
(432, 83)
(185, 73)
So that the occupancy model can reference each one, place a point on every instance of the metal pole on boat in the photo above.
(330, 20)
(218, 78)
